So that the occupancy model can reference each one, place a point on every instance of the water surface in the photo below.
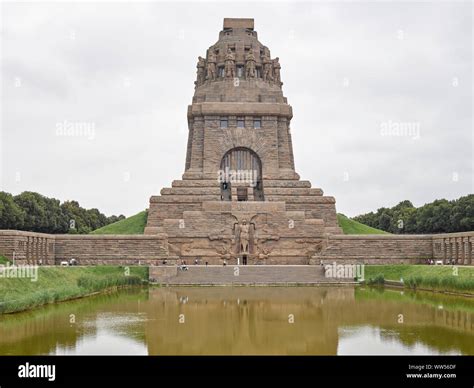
(246, 320)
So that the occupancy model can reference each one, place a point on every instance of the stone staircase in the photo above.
(246, 275)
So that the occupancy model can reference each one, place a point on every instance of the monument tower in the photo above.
(240, 199)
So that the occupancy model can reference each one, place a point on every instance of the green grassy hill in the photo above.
(350, 226)
(131, 225)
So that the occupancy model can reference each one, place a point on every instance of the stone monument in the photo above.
(240, 198)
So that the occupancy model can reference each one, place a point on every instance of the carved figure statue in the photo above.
(229, 63)
(211, 66)
(267, 67)
(276, 70)
(250, 65)
(201, 65)
(243, 235)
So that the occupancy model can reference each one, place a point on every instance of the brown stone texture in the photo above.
(27, 247)
(112, 249)
(47, 249)
(31, 248)
(244, 275)
(454, 248)
(376, 249)
(289, 219)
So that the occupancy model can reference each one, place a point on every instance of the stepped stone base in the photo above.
(242, 275)
(289, 227)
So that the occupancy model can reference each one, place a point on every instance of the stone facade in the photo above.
(35, 248)
(239, 170)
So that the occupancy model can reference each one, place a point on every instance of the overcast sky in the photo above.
(355, 74)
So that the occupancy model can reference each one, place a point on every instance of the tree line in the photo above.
(36, 213)
(440, 216)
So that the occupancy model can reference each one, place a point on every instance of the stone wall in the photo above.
(27, 247)
(47, 249)
(112, 249)
(377, 249)
(33, 248)
(454, 247)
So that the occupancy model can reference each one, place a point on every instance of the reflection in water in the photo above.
(246, 320)
(374, 340)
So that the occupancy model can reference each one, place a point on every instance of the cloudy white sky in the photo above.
(351, 71)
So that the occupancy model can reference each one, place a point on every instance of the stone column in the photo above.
(469, 251)
(44, 256)
(36, 250)
(460, 251)
(455, 250)
(443, 250)
(194, 153)
(27, 249)
(451, 250)
(40, 249)
(30, 250)
(465, 247)
(48, 253)
(284, 158)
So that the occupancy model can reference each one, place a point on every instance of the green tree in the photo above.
(439, 216)
(77, 217)
(385, 221)
(11, 215)
(42, 214)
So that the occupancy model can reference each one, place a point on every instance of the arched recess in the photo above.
(242, 168)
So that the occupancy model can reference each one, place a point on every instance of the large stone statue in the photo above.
(211, 66)
(276, 70)
(250, 65)
(201, 65)
(242, 233)
(229, 63)
(267, 68)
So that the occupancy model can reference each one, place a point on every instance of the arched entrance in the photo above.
(241, 168)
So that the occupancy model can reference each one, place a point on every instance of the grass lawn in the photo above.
(131, 225)
(441, 278)
(350, 226)
(62, 283)
(3, 260)
(448, 302)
